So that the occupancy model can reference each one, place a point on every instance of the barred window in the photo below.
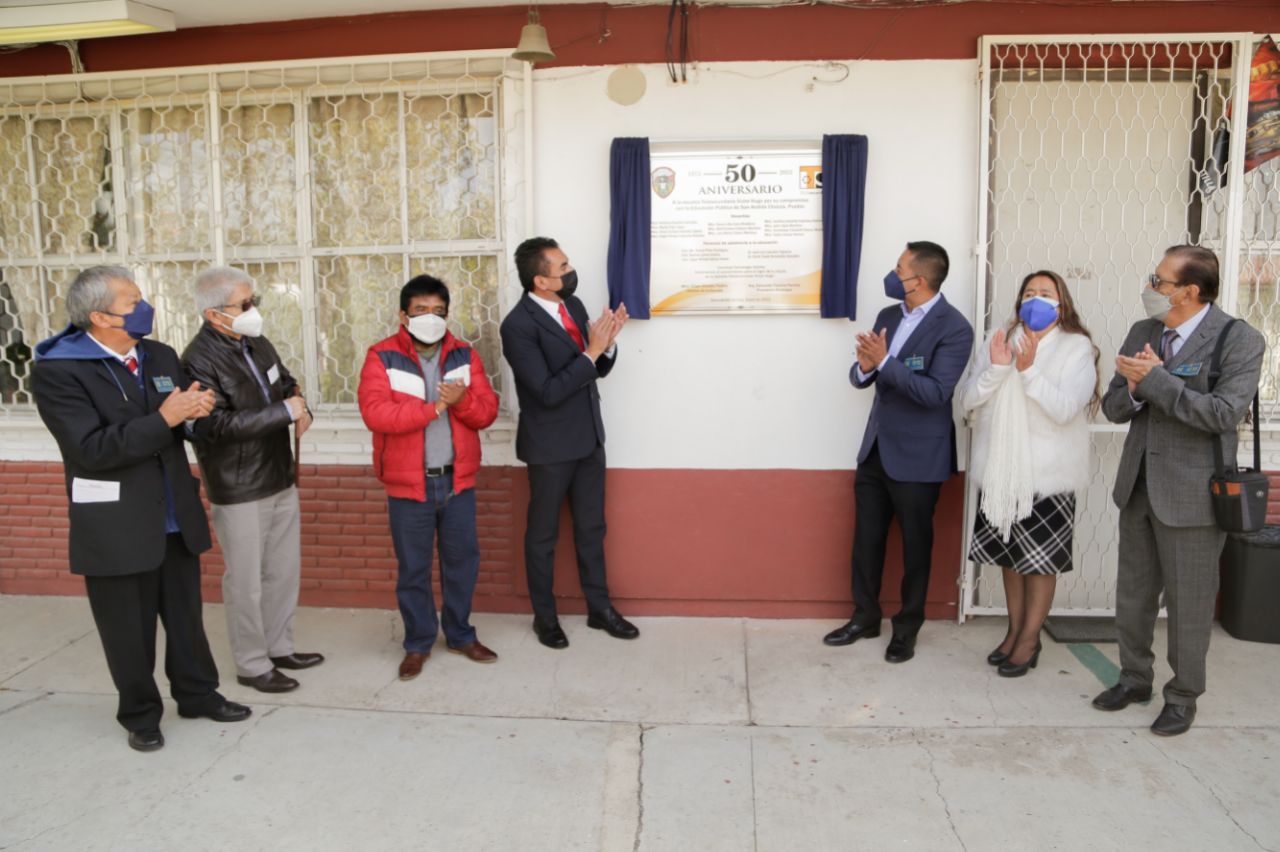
(330, 183)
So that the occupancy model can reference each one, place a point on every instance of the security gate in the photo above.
(1096, 153)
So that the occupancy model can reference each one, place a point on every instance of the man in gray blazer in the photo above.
(1169, 541)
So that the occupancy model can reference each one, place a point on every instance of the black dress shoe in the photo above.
(272, 681)
(612, 622)
(1011, 669)
(227, 711)
(901, 648)
(297, 661)
(1174, 719)
(851, 632)
(1120, 696)
(551, 634)
(151, 740)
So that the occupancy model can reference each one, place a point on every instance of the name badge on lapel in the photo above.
(915, 363)
(1186, 371)
(163, 384)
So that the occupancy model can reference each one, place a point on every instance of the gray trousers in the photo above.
(1183, 563)
(262, 547)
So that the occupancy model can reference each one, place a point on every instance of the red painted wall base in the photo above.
(755, 543)
(681, 542)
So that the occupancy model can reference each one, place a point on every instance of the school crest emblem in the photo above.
(664, 181)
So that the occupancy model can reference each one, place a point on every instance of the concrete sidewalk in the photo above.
(706, 734)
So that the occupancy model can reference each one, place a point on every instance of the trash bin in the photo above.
(1251, 585)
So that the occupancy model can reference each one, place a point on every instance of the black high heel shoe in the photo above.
(997, 656)
(1011, 669)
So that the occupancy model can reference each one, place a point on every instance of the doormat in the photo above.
(1081, 628)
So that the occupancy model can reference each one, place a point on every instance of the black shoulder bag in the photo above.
(1239, 494)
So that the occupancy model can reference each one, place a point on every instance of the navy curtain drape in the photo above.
(629, 251)
(844, 179)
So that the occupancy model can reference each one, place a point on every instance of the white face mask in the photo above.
(248, 323)
(427, 328)
(1155, 303)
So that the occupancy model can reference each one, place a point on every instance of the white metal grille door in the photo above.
(331, 183)
(1095, 156)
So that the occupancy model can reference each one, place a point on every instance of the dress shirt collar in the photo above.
(132, 353)
(1190, 325)
(921, 310)
(547, 305)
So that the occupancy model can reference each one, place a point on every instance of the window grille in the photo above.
(331, 183)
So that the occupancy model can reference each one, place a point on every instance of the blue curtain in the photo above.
(629, 251)
(844, 180)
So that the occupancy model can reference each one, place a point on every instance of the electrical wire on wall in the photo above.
(682, 8)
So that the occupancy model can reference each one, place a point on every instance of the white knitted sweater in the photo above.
(1058, 387)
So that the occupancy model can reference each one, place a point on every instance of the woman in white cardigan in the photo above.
(1029, 395)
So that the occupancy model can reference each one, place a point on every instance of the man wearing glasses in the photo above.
(250, 476)
(1169, 542)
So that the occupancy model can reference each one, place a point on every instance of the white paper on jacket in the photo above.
(406, 382)
(94, 491)
(273, 375)
(459, 374)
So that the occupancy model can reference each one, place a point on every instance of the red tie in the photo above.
(131, 364)
(571, 327)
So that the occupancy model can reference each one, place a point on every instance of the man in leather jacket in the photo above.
(250, 476)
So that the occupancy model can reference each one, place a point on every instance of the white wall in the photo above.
(758, 392)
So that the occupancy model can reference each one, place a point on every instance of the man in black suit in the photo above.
(556, 356)
(118, 406)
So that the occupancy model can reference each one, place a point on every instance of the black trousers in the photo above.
(582, 481)
(878, 500)
(125, 609)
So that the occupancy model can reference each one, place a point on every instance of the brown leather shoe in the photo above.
(475, 652)
(411, 665)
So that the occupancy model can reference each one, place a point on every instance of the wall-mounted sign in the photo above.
(736, 227)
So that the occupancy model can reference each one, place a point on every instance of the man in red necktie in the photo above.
(557, 356)
(120, 406)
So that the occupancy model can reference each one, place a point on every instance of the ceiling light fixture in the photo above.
(93, 19)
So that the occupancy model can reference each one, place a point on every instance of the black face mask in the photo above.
(568, 283)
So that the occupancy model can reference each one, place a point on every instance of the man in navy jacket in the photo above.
(914, 356)
(117, 404)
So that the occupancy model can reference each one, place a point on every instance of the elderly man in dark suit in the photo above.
(557, 356)
(914, 357)
(118, 405)
(1169, 541)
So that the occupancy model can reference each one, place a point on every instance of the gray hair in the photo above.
(214, 287)
(91, 291)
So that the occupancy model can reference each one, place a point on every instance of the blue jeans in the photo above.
(414, 528)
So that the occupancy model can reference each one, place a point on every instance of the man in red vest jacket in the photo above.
(424, 395)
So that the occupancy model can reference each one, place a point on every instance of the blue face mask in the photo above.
(140, 322)
(1038, 312)
(893, 286)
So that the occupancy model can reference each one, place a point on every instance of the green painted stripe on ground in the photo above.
(1107, 672)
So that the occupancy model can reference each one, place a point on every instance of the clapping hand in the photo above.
(1027, 346)
(1001, 351)
(190, 404)
(452, 393)
(872, 349)
(605, 330)
(1135, 369)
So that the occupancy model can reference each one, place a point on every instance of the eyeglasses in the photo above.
(1155, 281)
(251, 302)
